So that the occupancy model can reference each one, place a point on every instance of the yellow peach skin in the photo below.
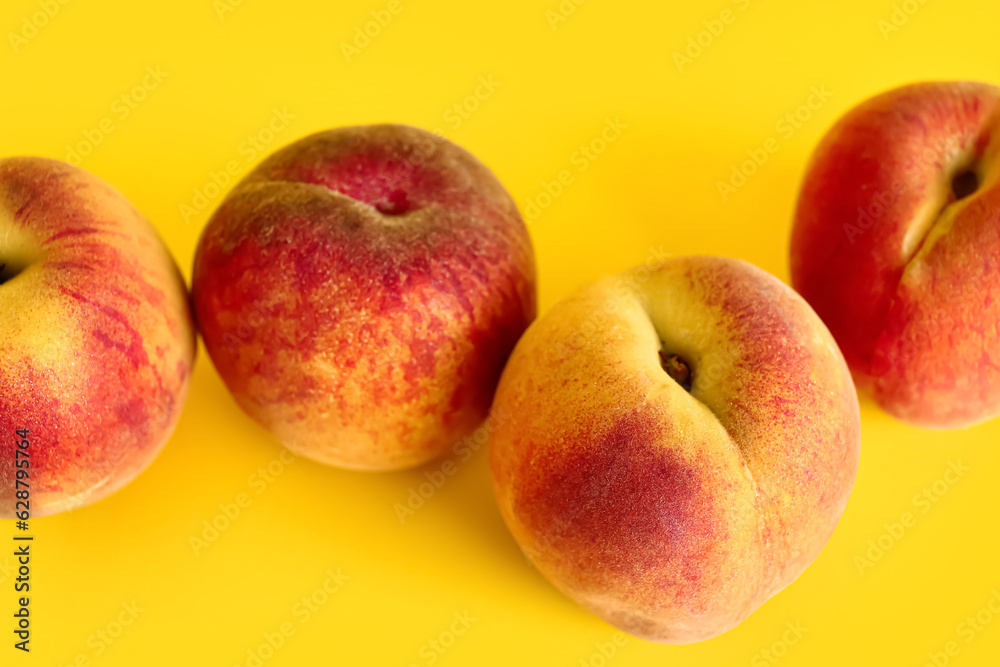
(684, 443)
(97, 338)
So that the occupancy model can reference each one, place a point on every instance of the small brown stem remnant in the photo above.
(10, 270)
(676, 368)
(964, 184)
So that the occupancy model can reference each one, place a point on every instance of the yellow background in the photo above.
(654, 189)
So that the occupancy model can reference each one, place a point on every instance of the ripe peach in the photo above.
(684, 443)
(895, 245)
(360, 291)
(97, 339)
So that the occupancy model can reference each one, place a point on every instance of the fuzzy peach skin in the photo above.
(896, 246)
(360, 291)
(97, 338)
(674, 513)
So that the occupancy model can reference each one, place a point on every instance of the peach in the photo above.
(683, 442)
(895, 245)
(360, 290)
(97, 339)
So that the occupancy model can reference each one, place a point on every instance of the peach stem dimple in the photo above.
(964, 184)
(395, 203)
(676, 368)
(10, 270)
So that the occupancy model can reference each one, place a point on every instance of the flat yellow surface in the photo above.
(120, 583)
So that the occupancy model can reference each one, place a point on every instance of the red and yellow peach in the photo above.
(895, 245)
(97, 338)
(682, 445)
(360, 291)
